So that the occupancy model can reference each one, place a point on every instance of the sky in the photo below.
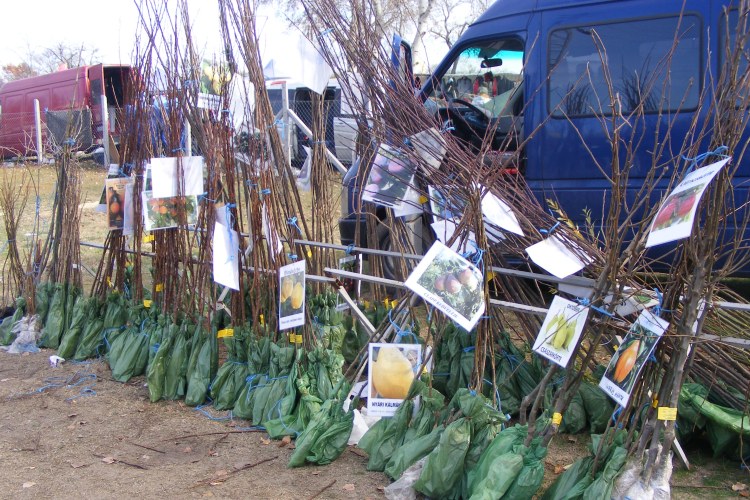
(111, 26)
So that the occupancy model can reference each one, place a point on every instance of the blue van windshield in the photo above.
(485, 74)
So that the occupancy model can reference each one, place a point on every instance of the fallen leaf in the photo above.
(194, 461)
(108, 460)
(221, 473)
(77, 465)
(72, 415)
(81, 423)
(315, 473)
(744, 494)
(559, 469)
(285, 441)
(71, 427)
(209, 494)
(4, 380)
(213, 454)
(26, 353)
(217, 483)
(28, 485)
(739, 487)
(140, 410)
(145, 457)
(349, 487)
(265, 441)
(240, 465)
(181, 404)
(380, 488)
(187, 450)
(29, 468)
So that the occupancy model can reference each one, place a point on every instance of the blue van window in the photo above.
(636, 53)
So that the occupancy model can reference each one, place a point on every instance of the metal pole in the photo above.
(287, 130)
(38, 128)
(105, 130)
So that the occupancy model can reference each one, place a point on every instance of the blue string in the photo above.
(586, 303)
(698, 159)
(329, 30)
(250, 183)
(400, 333)
(291, 256)
(278, 409)
(156, 347)
(210, 401)
(178, 149)
(69, 141)
(552, 229)
(265, 191)
(616, 415)
(283, 126)
(657, 309)
(249, 380)
(468, 349)
(292, 221)
(256, 427)
(105, 338)
(349, 248)
(5, 244)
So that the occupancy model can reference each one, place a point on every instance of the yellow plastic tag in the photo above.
(666, 413)
(295, 339)
(160, 287)
(490, 276)
(260, 318)
(393, 304)
(148, 238)
(147, 303)
(557, 418)
(423, 199)
(109, 282)
(387, 303)
(229, 332)
(656, 403)
(367, 305)
(309, 254)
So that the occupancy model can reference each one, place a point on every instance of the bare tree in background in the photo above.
(41, 61)
(447, 23)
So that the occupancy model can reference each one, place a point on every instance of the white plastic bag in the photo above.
(630, 474)
(28, 334)
(358, 429)
(661, 479)
(402, 489)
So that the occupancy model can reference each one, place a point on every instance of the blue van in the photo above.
(524, 57)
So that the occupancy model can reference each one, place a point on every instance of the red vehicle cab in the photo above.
(82, 87)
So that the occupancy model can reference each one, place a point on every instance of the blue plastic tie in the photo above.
(5, 245)
(265, 191)
(658, 308)
(698, 159)
(329, 30)
(586, 303)
(349, 248)
(469, 349)
(283, 126)
(178, 149)
(292, 221)
(550, 230)
(69, 141)
(292, 256)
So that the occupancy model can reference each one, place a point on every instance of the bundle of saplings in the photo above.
(6, 327)
(258, 359)
(72, 337)
(198, 376)
(57, 315)
(130, 357)
(43, 296)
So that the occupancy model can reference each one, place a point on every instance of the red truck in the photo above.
(83, 87)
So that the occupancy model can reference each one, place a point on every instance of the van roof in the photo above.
(505, 8)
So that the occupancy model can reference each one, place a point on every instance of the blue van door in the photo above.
(572, 150)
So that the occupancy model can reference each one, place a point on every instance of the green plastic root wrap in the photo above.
(387, 435)
(502, 444)
(413, 451)
(568, 479)
(93, 329)
(44, 293)
(175, 377)
(158, 369)
(199, 368)
(307, 439)
(598, 406)
(603, 486)
(72, 337)
(6, 328)
(445, 464)
(531, 475)
(230, 379)
(55, 326)
(332, 442)
(501, 474)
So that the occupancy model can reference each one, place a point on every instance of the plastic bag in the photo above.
(27, 332)
(359, 428)
(501, 474)
(230, 379)
(598, 406)
(565, 481)
(69, 342)
(332, 442)
(310, 435)
(174, 382)
(42, 300)
(200, 378)
(384, 439)
(530, 477)
(156, 372)
(92, 332)
(574, 418)
(412, 451)
(55, 326)
(603, 486)
(6, 328)
(444, 465)
(630, 474)
(402, 489)
(133, 356)
(502, 444)
(662, 490)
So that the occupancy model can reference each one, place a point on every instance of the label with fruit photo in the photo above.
(674, 221)
(450, 283)
(561, 330)
(292, 295)
(118, 202)
(390, 177)
(212, 78)
(391, 370)
(628, 360)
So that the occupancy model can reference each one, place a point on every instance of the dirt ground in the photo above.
(116, 444)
